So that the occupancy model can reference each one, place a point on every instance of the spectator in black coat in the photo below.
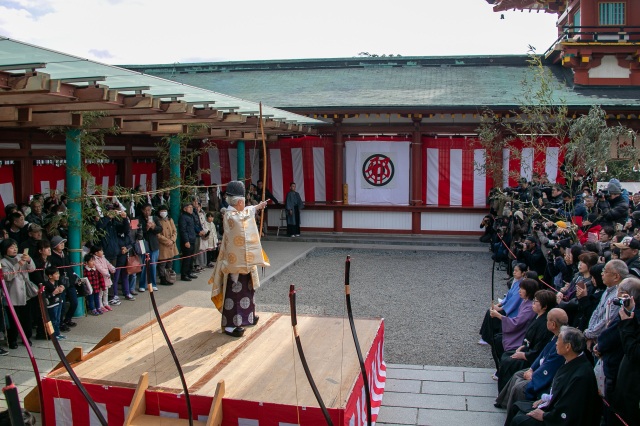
(609, 348)
(150, 227)
(574, 399)
(627, 392)
(68, 278)
(36, 216)
(531, 255)
(188, 234)
(613, 209)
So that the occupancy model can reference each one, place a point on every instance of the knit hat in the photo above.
(613, 188)
(235, 188)
(617, 183)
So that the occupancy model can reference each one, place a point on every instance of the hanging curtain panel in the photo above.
(48, 178)
(145, 174)
(307, 161)
(454, 174)
(221, 160)
(521, 159)
(7, 186)
(377, 172)
(103, 178)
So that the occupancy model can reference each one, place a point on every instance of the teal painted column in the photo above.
(240, 161)
(74, 192)
(175, 180)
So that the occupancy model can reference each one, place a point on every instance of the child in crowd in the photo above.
(97, 284)
(212, 239)
(106, 269)
(52, 291)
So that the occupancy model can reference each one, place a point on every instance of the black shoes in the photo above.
(70, 323)
(185, 279)
(64, 327)
(13, 346)
(255, 319)
(237, 332)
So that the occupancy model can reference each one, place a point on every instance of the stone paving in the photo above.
(414, 394)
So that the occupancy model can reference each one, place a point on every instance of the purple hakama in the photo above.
(239, 302)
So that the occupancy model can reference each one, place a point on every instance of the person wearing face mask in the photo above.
(167, 239)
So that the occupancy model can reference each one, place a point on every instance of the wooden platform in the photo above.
(262, 367)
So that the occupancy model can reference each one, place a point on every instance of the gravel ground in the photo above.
(432, 302)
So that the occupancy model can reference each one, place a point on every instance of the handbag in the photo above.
(31, 289)
(84, 287)
(598, 370)
(133, 265)
(170, 275)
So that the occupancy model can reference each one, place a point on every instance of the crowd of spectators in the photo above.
(565, 337)
(34, 251)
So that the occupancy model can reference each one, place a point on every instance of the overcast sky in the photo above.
(161, 31)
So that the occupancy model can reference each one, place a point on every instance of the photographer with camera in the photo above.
(555, 201)
(609, 347)
(571, 207)
(524, 192)
(489, 235)
(627, 392)
(529, 253)
(613, 208)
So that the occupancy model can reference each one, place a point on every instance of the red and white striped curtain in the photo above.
(522, 160)
(104, 178)
(453, 168)
(48, 178)
(221, 160)
(453, 173)
(307, 161)
(7, 186)
(145, 174)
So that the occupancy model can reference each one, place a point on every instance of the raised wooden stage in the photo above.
(264, 380)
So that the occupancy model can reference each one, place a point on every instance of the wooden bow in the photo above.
(25, 341)
(363, 370)
(166, 338)
(264, 167)
(303, 360)
(63, 359)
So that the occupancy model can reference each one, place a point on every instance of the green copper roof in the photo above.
(386, 82)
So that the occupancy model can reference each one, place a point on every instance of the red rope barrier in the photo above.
(119, 267)
(516, 258)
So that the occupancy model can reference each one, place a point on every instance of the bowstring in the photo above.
(295, 374)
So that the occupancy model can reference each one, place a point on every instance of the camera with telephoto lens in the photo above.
(621, 301)
(603, 194)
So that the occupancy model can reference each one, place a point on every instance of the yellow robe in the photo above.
(240, 252)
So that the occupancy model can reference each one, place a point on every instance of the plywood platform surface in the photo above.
(262, 366)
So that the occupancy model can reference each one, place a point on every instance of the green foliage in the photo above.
(188, 157)
(541, 119)
(91, 151)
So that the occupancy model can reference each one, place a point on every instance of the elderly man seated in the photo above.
(613, 273)
(530, 383)
(573, 398)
